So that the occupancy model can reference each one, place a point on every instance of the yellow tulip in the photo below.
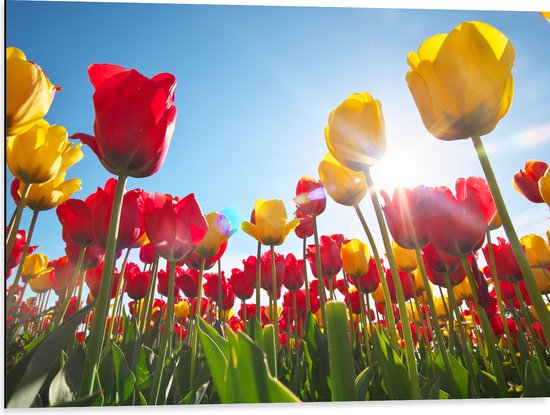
(542, 277)
(463, 291)
(534, 311)
(271, 227)
(546, 15)
(461, 82)
(441, 305)
(41, 153)
(345, 186)
(29, 93)
(45, 196)
(496, 222)
(355, 258)
(219, 231)
(355, 133)
(35, 265)
(413, 314)
(418, 281)
(182, 309)
(405, 258)
(544, 187)
(41, 284)
(378, 295)
(536, 250)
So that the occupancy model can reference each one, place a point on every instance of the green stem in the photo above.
(69, 294)
(510, 340)
(306, 282)
(12, 231)
(145, 321)
(519, 254)
(165, 343)
(318, 267)
(97, 330)
(220, 291)
(409, 345)
(14, 285)
(258, 281)
(387, 304)
(487, 331)
(274, 314)
(195, 328)
(114, 311)
(348, 305)
(364, 324)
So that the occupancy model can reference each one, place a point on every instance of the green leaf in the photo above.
(213, 334)
(489, 384)
(65, 385)
(143, 372)
(248, 375)
(85, 401)
(268, 346)
(459, 374)
(125, 379)
(106, 377)
(363, 380)
(537, 384)
(394, 371)
(342, 373)
(37, 367)
(216, 360)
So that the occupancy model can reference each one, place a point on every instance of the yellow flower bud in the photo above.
(344, 186)
(35, 265)
(29, 93)
(441, 306)
(536, 250)
(45, 196)
(542, 277)
(41, 284)
(544, 187)
(219, 231)
(378, 295)
(355, 133)
(182, 309)
(463, 291)
(355, 258)
(461, 82)
(405, 258)
(41, 153)
(271, 227)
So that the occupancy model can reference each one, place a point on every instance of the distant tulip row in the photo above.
(436, 234)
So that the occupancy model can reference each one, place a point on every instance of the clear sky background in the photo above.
(255, 87)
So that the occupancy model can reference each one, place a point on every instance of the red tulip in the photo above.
(240, 285)
(266, 277)
(439, 263)
(17, 250)
(369, 281)
(509, 293)
(480, 188)
(72, 306)
(251, 311)
(300, 303)
(505, 262)
(93, 256)
(211, 285)
(147, 253)
(228, 298)
(457, 225)
(131, 218)
(137, 283)
(75, 217)
(305, 228)
(187, 281)
(294, 273)
(406, 222)
(331, 262)
(526, 182)
(162, 283)
(194, 260)
(14, 190)
(250, 270)
(174, 228)
(311, 199)
(408, 290)
(63, 271)
(134, 119)
(93, 280)
(355, 302)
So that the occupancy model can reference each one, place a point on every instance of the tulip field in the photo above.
(429, 304)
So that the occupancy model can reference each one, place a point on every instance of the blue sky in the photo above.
(255, 87)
